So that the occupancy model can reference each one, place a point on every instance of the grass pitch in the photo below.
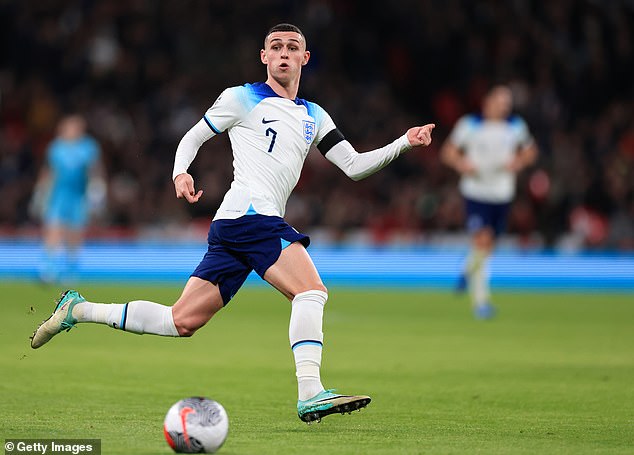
(554, 373)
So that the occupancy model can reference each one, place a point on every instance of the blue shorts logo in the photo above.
(309, 131)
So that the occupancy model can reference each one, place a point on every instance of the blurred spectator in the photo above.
(132, 68)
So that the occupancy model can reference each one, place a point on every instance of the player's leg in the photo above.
(475, 222)
(294, 272)
(199, 301)
(295, 276)
(484, 242)
(74, 241)
(53, 260)
(475, 272)
(74, 238)
(57, 218)
(478, 272)
(197, 304)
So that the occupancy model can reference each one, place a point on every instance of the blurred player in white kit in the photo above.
(488, 151)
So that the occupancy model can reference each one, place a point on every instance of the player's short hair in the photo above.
(284, 28)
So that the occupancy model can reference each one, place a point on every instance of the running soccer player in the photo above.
(72, 160)
(271, 131)
(487, 151)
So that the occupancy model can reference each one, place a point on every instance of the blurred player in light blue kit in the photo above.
(72, 159)
(488, 151)
(271, 131)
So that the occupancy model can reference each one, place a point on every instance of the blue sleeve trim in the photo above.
(250, 95)
(474, 120)
(211, 125)
(315, 111)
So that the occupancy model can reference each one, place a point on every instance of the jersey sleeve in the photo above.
(327, 135)
(360, 165)
(188, 147)
(325, 124)
(226, 111)
(460, 131)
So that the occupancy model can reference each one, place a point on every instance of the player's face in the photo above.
(284, 54)
(498, 103)
(72, 127)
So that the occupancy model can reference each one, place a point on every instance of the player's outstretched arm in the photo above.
(360, 165)
(184, 185)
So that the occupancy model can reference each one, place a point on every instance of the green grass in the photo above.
(554, 373)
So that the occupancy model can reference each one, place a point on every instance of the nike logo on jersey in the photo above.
(269, 121)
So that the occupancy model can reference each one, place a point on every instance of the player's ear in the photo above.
(263, 56)
(306, 57)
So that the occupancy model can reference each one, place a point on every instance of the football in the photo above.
(196, 425)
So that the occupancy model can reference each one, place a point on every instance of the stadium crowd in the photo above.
(143, 72)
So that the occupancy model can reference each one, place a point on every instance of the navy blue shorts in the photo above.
(236, 247)
(486, 214)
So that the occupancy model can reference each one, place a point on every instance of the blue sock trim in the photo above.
(307, 342)
(124, 316)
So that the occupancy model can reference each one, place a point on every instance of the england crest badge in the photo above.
(309, 131)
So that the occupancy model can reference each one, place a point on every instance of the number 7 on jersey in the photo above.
(273, 133)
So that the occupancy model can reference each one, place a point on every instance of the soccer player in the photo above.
(72, 160)
(271, 131)
(488, 151)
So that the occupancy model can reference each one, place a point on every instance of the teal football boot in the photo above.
(328, 402)
(61, 319)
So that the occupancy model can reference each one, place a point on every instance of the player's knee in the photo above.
(185, 330)
(321, 287)
(187, 326)
(315, 287)
(484, 238)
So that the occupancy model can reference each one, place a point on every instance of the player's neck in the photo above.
(285, 91)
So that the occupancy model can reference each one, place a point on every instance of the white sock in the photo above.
(306, 338)
(474, 261)
(138, 316)
(479, 283)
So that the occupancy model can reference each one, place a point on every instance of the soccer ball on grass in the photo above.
(196, 425)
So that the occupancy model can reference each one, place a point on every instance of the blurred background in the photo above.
(143, 72)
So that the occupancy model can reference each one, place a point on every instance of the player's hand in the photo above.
(465, 167)
(420, 135)
(515, 165)
(184, 185)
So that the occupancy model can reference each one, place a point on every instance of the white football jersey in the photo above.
(490, 146)
(270, 137)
